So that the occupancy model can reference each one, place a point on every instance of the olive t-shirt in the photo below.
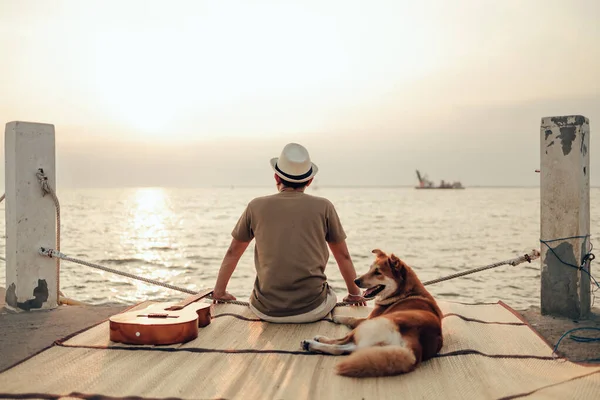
(291, 230)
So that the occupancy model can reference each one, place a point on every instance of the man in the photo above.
(292, 231)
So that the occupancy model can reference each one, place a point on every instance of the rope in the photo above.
(534, 254)
(57, 254)
(1, 200)
(47, 189)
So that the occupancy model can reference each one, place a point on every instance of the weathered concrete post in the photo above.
(31, 280)
(565, 212)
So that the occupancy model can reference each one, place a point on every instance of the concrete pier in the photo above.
(565, 216)
(23, 334)
(31, 280)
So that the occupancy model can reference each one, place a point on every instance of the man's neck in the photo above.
(282, 188)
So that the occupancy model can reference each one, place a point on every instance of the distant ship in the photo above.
(425, 183)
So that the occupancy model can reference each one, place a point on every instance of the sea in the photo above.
(179, 236)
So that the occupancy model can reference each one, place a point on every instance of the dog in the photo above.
(404, 328)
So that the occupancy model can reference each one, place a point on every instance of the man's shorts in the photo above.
(314, 315)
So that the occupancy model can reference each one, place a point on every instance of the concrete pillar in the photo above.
(31, 280)
(565, 212)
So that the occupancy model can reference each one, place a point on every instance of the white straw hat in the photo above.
(294, 165)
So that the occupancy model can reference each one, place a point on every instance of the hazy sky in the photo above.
(190, 93)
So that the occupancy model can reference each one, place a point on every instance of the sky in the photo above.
(203, 93)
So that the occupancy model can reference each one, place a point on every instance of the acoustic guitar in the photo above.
(164, 323)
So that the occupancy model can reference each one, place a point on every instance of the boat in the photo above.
(425, 183)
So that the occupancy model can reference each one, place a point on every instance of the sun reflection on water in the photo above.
(149, 215)
(148, 232)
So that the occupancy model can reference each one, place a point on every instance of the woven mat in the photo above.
(488, 353)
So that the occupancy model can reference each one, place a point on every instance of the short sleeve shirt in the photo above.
(292, 230)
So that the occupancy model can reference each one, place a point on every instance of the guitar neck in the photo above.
(192, 299)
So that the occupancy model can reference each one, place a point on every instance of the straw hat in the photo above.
(294, 165)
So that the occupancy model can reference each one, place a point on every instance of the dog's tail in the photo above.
(378, 361)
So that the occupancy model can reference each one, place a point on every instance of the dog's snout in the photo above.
(357, 281)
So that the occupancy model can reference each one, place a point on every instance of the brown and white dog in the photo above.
(404, 328)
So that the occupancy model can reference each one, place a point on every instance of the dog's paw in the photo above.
(339, 319)
(305, 344)
(319, 337)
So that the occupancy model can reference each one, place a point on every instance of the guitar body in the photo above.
(163, 323)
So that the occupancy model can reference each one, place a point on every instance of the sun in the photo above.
(203, 78)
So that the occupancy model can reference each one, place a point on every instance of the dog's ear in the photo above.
(379, 253)
(397, 266)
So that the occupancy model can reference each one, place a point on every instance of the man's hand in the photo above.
(355, 299)
(218, 297)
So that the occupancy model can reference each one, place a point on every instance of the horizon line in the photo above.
(234, 186)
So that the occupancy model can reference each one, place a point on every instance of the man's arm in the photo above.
(230, 261)
(344, 262)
